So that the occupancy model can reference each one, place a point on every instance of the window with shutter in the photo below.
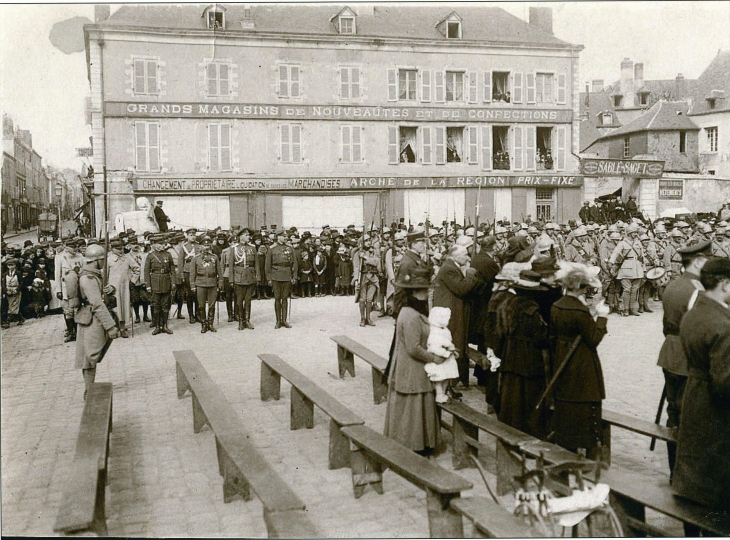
(139, 77)
(351, 146)
(426, 85)
(349, 82)
(426, 145)
(392, 84)
(357, 144)
(562, 89)
(151, 77)
(289, 84)
(225, 152)
(518, 149)
(141, 132)
(518, 88)
(346, 144)
(473, 87)
(530, 148)
(284, 131)
(223, 79)
(487, 87)
(473, 142)
(393, 153)
(440, 145)
(147, 144)
(438, 87)
(407, 84)
(212, 79)
(217, 76)
(294, 81)
(530, 87)
(145, 76)
(283, 81)
(153, 138)
(486, 148)
(296, 143)
(562, 146)
(214, 147)
(355, 82)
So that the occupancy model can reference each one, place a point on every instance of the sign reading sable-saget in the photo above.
(634, 168)
(329, 112)
(221, 185)
(671, 189)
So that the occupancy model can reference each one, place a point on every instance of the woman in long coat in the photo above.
(580, 389)
(411, 417)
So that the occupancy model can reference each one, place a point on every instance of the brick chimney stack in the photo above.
(542, 18)
(597, 85)
(680, 87)
(627, 82)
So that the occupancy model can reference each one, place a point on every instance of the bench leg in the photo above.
(339, 447)
(270, 383)
(302, 410)
(235, 486)
(443, 523)
(220, 454)
(380, 389)
(345, 362)
(461, 450)
(627, 510)
(182, 382)
(366, 471)
(199, 418)
(99, 525)
(606, 448)
(507, 468)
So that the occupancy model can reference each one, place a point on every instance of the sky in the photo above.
(43, 89)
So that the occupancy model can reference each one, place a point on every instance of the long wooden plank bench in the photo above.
(83, 503)
(636, 425)
(347, 349)
(490, 519)
(243, 468)
(370, 451)
(304, 395)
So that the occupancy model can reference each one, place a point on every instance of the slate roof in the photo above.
(391, 20)
(594, 103)
(663, 116)
(715, 77)
(588, 134)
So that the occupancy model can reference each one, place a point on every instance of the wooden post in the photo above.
(380, 389)
(461, 450)
(270, 383)
(220, 453)
(302, 410)
(235, 486)
(339, 451)
(345, 362)
(182, 382)
(507, 468)
(199, 418)
(365, 471)
(442, 523)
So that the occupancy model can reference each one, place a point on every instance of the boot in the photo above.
(277, 311)
(156, 316)
(211, 318)
(192, 314)
(203, 322)
(123, 330)
(362, 314)
(136, 314)
(179, 312)
(284, 305)
(145, 318)
(247, 315)
(368, 307)
(229, 310)
(153, 324)
(241, 323)
(165, 317)
(69, 330)
(74, 327)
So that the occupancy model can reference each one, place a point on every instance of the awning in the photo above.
(616, 193)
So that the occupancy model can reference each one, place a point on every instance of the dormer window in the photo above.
(617, 100)
(606, 119)
(454, 30)
(450, 27)
(710, 103)
(347, 25)
(215, 17)
(344, 22)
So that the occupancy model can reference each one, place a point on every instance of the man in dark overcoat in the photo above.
(702, 471)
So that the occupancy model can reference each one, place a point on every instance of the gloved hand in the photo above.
(494, 361)
(113, 333)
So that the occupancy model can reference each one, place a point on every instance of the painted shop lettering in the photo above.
(472, 181)
(545, 180)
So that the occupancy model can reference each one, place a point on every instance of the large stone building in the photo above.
(304, 115)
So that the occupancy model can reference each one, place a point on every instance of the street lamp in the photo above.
(58, 190)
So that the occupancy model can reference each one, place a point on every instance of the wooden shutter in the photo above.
(530, 87)
(487, 87)
(473, 145)
(344, 83)
(561, 94)
(212, 79)
(439, 94)
(296, 143)
(517, 87)
(530, 147)
(426, 145)
(487, 148)
(152, 76)
(440, 145)
(473, 87)
(285, 143)
(139, 78)
(346, 145)
(213, 147)
(354, 83)
(393, 153)
(357, 144)
(295, 86)
(392, 84)
(225, 147)
(153, 143)
(426, 85)
(141, 133)
(562, 133)
(283, 81)
(518, 149)
(223, 79)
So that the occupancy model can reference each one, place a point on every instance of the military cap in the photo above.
(273, 227)
(417, 234)
(221, 235)
(256, 236)
(12, 261)
(116, 243)
(719, 267)
(681, 224)
(281, 232)
(693, 250)
(245, 230)
(133, 240)
(192, 230)
(206, 240)
(263, 227)
(156, 238)
(80, 242)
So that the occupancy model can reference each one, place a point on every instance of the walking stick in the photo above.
(659, 415)
(558, 372)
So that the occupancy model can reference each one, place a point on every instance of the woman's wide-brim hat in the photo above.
(414, 279)
(574, 276)
(528, 280)
(511, 271)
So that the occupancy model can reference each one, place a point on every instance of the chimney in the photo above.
(680, 87)
(8, 129)
(597, 85)
(247, 22)
(638, 75)
(25, 137)
(542, 18)
(627, 82)
(101, 12)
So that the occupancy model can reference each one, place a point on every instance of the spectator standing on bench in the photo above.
(679, 297)
(702, 471)
(580, 389)
(411, 418)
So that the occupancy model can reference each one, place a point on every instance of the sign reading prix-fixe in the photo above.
(218, 185)
(634, 168)
(334, 112)
(671, 189)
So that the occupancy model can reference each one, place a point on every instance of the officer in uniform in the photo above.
(366, 277)
(228, 292)
(187, 252)
(243, 272)
(70, 260)
(206, 278)
(672, 259)
(628, 258)
(160, 281)
(281, 269)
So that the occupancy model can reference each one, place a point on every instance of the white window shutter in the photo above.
(355, 83)
(439, 94)
(213, 147)
(344, 83)
(283, 81)
(487, 87)
(518, 149)
(473, 151)
(225, 147)
(473, 87)
(487, 148)
(357, 144)
(153, 139)
(296, 143)
(530, 147)
(440, 145)
(530, 87)
(212, 79)
(223, 84)
(561, 97)
(392, 84)
(393, 153)
(285, 144)
(295, 84)
(139, 78)
(345, 146)
(562, 133)
(517, 87)
(426, 85)
(141, 133)
(152, 76)
(426, 145)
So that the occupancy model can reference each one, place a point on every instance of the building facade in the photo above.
(320, 114)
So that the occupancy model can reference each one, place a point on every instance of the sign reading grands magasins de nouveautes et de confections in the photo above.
(335, 112)
(635, 168)
(351, 183)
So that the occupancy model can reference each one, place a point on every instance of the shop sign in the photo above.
(205, 185)
(633, 168)
(335, 112)
(84, 152)
(671, 189)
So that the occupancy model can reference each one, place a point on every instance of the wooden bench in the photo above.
(304, 395)
(370, 451)
(636, 425)
(243, 468)
(490, 519)
(83, 503)
(347, 349)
